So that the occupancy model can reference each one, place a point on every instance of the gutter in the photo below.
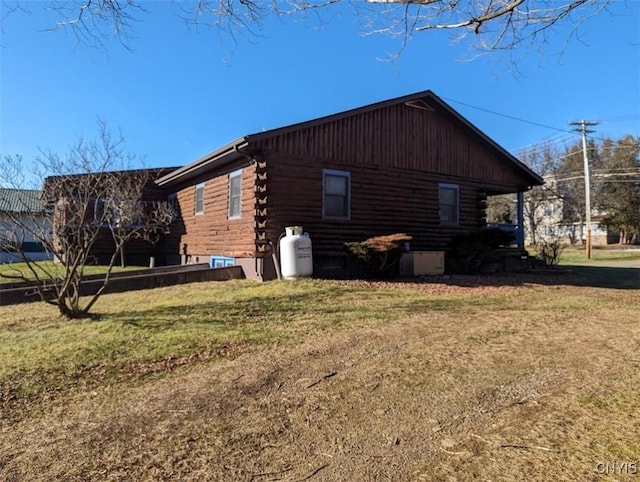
(204, 163)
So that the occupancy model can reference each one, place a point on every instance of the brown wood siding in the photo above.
(136, 251)
(384, 200)
(212, 233)
(401, 137)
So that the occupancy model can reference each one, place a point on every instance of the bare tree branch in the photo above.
(89, 197)
(495, 24)
(93, 22)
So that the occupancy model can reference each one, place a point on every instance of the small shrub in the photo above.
(550, 251)
(380, 254)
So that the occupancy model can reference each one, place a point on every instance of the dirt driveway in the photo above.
(507, 393)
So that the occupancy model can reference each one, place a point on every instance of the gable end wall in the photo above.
(402, 137)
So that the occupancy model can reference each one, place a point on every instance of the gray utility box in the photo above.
(422, 263)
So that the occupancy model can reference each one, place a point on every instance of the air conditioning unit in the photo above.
(422, 263)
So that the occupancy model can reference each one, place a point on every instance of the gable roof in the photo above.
(25, 201)
(426, 100)
(59, 185)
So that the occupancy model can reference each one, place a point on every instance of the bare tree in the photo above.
(494, 24)
(560, 203)
(616, 186)
(91, 199)
(542, 205)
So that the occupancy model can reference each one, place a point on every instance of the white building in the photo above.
(23, 224)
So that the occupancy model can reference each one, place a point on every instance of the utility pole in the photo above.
(587, 183)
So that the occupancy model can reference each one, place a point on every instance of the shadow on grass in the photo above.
(229, 315)
(566, 275)
(284, 313)
(325, 302)
(605, 276)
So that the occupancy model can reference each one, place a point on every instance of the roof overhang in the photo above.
(198, 168)
(533, 178)
(425, 100)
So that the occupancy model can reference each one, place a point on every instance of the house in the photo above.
(547, 219)
(94, 206)
(23, 223)
(543, 213)
(410, 164)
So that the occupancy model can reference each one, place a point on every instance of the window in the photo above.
(127, 214)
(235, 194)
(336, 188)
(99, 211)
(118, 213)
(549, 210)
(199, 204)
(449, 203)
(172, 201)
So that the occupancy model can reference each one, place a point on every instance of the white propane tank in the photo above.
(296, 259)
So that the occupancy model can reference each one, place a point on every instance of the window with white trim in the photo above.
(336, 194)
(449, 197)
(199, 199)
(235, 194)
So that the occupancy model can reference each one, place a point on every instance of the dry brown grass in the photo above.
(538, 382)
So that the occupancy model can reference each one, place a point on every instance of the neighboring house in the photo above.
(543, 213)
(23, 223)
(545, 219)
(90, 198)
(576, 232)
(410, 164)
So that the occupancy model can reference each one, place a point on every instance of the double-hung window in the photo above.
(199, 199)
(235, 194)
(449, 197)
(336, 194)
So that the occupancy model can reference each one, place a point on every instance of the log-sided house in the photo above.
(79, 199)
(411, 164)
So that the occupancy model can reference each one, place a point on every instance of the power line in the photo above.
(621, 118)
(507, 116)
(552, 140)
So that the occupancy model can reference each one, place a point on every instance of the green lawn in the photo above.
(577, 255)
(486, 377)
(12, 269)
(39, 348)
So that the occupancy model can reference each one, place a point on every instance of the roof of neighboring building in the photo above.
(62, 184)
(425, 100)
(20, 201)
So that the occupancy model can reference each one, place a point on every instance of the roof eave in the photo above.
(217, 158)
(230, 152)
(408, 100)
(537, 180)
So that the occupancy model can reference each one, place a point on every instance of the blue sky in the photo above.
(181, 93)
